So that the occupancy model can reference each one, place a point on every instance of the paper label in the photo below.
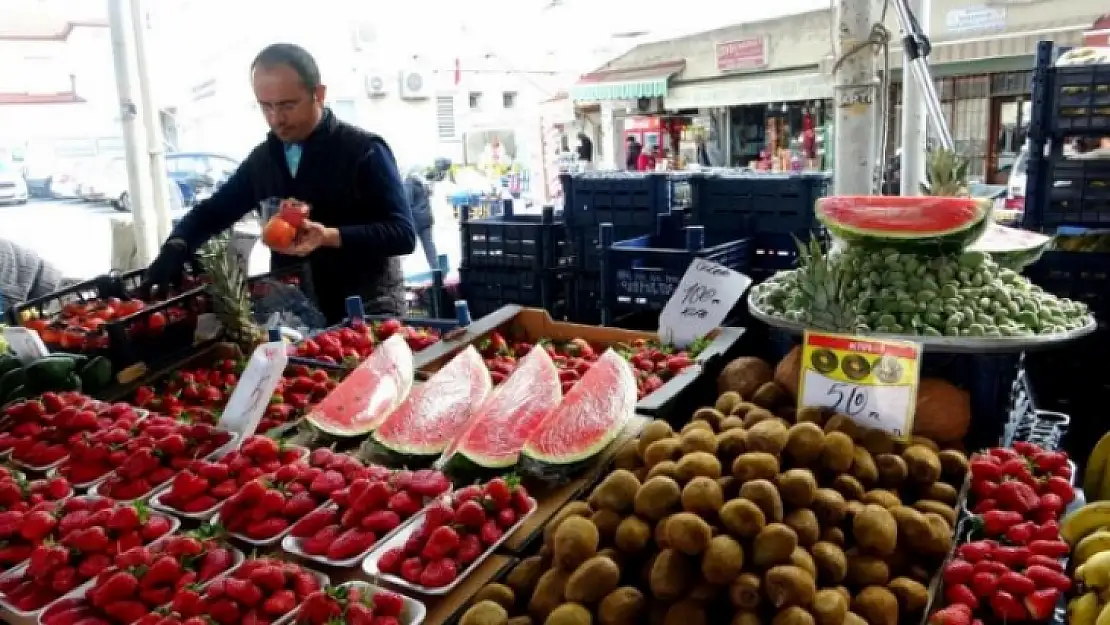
(701, 301)
(25, 343)
(251, 397)
(873, 381)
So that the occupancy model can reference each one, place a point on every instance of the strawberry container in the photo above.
(370, 564)
(51, 469)
(266, 542)
(218, 453)
(413, 613)
(289, 618)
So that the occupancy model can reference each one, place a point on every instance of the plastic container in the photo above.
(266, 542)
(370, 565)
(217, 453)
(322, 578)
(53, 466)
(509, 241)
(414, 611)
(735, 204)
(488, 289)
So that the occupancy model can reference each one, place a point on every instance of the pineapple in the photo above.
(945, 174)
(229, 293)
(822, 282)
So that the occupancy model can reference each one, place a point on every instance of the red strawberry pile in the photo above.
(653, 363)
(149, 467)
(144, 579)
(44, 429)
(355, 342)
(355, 604)
(1013, 570)
(17, 494)
(456, 530)
(206, 483)
(85, 539)
(366, 511)
(259, 592)
(301, 388)
(27, 515)
(266, 507)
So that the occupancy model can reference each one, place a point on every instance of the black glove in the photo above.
(167, 269)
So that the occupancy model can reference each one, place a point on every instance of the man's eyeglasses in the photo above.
(286, 106)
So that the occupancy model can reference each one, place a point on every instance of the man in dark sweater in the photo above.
(360, 220)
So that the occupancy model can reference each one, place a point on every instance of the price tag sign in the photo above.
(701, 301)
(25, 343)
(873, 381)
(256, 386)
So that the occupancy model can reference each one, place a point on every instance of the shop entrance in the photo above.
(1009, 126)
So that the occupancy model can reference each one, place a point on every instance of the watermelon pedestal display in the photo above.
(933, 225)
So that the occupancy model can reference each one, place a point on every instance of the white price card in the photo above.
(256, 386)
(873, 381)
(25, 343)
(701, 301)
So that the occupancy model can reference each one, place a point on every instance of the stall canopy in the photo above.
(631, 83)
(750, 89)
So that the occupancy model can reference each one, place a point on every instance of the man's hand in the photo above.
(312, 235)
(166, 270)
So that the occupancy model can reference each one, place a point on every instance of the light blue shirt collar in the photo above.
(293, 157)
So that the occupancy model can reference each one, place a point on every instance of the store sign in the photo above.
(975, 19)
(873, 381)
(742, 55)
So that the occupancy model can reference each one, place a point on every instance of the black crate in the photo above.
(624, 199)
(583, 296)
(583, 247)
(486, 290)
(746, 204)
(528, 242)
(1081, 276)
(1067, 192)
(1080, 99)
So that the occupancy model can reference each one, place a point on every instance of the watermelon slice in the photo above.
(369, 394)
(493, 438)
(1013, 248)
(909, 224)
(591, 416)
(436, 411)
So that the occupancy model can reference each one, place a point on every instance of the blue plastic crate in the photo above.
(488, 289)
(583, 297)
(642, 273)
(1081, 276)
(745, 203)
(1080, 99)
(1067, 192)
(624, 199)
(529, 242)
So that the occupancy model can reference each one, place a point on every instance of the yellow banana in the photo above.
(1084, 521)
(1103, 615)
(1104, 488)
(1084, 610)
(1095, 473)
(1095, 572)
(1089, 545)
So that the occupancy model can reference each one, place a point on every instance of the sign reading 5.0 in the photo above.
(873, 381)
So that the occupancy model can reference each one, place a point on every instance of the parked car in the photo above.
(13, 189)
(198, 174)
(116, 190)
(62, 185)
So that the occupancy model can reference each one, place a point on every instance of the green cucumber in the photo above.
(97, 374)
(50, 372)
(12, 379)
(8, 362)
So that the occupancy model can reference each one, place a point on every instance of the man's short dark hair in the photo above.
(291, 55)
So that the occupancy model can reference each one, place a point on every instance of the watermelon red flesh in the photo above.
(951, 223)
(590, 416)
(507, 418)
(436, 411)
(369, 394)
(1012, 248)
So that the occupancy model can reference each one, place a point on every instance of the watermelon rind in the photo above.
(1012, 248)
(401, 361)
(835, 213)
(620, 400)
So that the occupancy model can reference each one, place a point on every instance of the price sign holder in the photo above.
(701, 301)
(256, 386)
(26, 343)
(873, 381)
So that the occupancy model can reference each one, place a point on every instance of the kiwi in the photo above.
(698, 464)
(667, 468)
(953, 466)
(797, 487)
(745, 592)
(913, 527)
(519, 620)
(832, 563)
(688, 533)
(694, 425)
(632, 535)
(574, 508)
(742, 518)
(848, 486)
(770, 396)
(672, 575)
(591, 581)
(787, 585)
(875, 530)
(617, 492)
(769, 436)
(812, 414)
(774, 545)
(911, 594)
(943, 492)
(623, 606)
(700, 439)
(893, 471)
(548, 593)
(866, 570)
(712, 416)
(655, 431)
(660, 450)
(833, 535)
(576, 541)
(851, 618)
(755, 465)
(702, 496)
(732, 422)
(485, 613)
(523, 577)
(606, 522)
(730, 486)
(863, 466)
(793, 615)
(923, 464)
(742, 409)
(877, 442)
(843, 423)
(838, 453)
(804, 523)
(877, 606)
(500, 594)
(829, 506)
(657, 498)
(829, 607)
(727, 402)
(570, 614)
(944, 510)
(688, 612)
(757, 415)
(764, 494)
(722, 561)
(731, 443)
(881, 497)
(805, 441)
(801, 559)
(628, 456)
(940, 539)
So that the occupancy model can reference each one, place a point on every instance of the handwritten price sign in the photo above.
(872, 381)
(701, 301)
(256, 386)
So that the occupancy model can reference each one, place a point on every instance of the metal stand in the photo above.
(916, 48)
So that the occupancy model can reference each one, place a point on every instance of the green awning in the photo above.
(626, 84)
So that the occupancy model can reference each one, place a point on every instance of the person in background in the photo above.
(633, 150)
(420, 199)
(585, 148)
(646, 161)
(25, 276)
(703, 151)
(360, 221)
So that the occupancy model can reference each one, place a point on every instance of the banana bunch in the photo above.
(1087, 530)
(1096, 477)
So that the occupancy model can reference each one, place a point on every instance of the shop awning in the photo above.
(633, 83)
(1020, 41)
(750, 89)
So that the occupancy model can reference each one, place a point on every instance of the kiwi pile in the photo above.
(753, 513)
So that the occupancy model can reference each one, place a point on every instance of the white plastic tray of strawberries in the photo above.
(292, 544)
(265, 542)
(370, 564)
(21, 570)
(78, 595)
(204, 515)
(413, 613)
(57, 463)
(56, 472)
(320, 577)
(218, 453)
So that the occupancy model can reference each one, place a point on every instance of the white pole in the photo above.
(854, 159)
(155, 142)
(914, 117)
(138, 168)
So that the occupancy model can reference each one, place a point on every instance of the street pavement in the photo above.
(75, 236)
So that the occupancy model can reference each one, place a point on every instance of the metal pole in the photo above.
(138, 168)
(853, 160)
(155, 142)
(913, 114)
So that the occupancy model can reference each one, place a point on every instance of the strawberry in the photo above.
(359, 614)
(299, 505)
(280, 603)
(302, 582)
(404, 504)
(381, 522)
(266, 528)
(506, 518)
(990, 566)
(429, 483)
(470, 547)
(470, 514)
(985, 468)
(125, 611)
(1016, 583)
(521, 502)
(314, 521)
(412, 570)
(317, 544)
(318, 607)
(225, 612)
(119, 586)
(1041, 604)
(983, 584)
(959, 593)
(996, 522)
(499, 492)
(438, 513)
(1007, 608)
(244, 591)
(1013, 557)
(215, 562)
(1045, 577)
(1051, 548)
(1021, 533)
(490, 532)
(37, 525)
(1052, 564)
(388, 603)
(268, 578)
(164, 570)
(351, 543)
(187, 602)
(1049, 461)
(156, 527)
(327, 483)
(438, 573)
(390, 561)
(957, 572)
(974, 551)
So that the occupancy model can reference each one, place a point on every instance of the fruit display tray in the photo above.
(220, 452)
(49, 468)
(320, 577)
(267, 542)
(414, 611)
(370, 564)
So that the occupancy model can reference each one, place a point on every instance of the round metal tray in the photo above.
(953, 344)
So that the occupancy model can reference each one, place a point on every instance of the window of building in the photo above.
(445, 118)
(475, 100)
(508, 99)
